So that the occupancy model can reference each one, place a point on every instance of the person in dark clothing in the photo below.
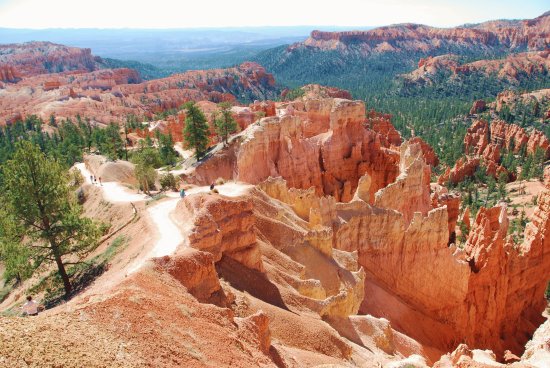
(212, 186)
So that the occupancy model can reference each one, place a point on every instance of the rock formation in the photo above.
(512, 69)
(34, 58)
(389, 233)
(478, 107)
(381, 123)
(223, 227)
(463, 168)
(504, 35)
(8, 73)
(342, 248)
(75, 86)
(477, 137)
(427, 151)
(486, 144)
(318, 143)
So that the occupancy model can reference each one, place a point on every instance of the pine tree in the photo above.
(145, 162)
(43, 209)
(114, 146)
(224, 122)
(196, 130)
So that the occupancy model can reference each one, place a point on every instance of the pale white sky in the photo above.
(243, 13)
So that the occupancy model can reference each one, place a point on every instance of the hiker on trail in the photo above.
(212, 186)
(182, 193)
(91, 179)
(100, 181)
(30, 308)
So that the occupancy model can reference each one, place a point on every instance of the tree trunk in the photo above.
(61, 268)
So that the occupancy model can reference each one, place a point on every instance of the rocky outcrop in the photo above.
(463, 168)
(501, 35)
(484, 144)
(538, 140)
(504, 276)
(508, 136)
(478, 107)
(441, 197)
(263, 108)
(321, 144)
(501, 135)
(255, 329)
(413, 183)
(312, 143)
(490, 281)
(390, 236)
(194, 270)
(34, 58)
(381, 123)
(511, 98)
(427, 151)
(402, 245)
(49, 85)
(9, 74)
(477, 137)
(222, 227)
(512, 70)
(326, 281)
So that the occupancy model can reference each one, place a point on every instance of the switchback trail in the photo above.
(170, 233)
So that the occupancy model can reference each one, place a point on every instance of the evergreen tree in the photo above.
(13, 254)
(168, 154)
(145, 162)
(113, 146)
(224, 122)
(196, 130)
(43, 208)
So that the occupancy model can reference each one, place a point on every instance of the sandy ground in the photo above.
(112, 191)
(521, 193)
(185, 154)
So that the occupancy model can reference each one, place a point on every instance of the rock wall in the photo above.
(320, 144)
(413, 184)
(506, 287)
(490, 295)
(222, 227)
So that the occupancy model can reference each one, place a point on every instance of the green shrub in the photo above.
(168, 181)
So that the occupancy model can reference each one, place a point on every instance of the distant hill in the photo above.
(168, 51)
(367, 61)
